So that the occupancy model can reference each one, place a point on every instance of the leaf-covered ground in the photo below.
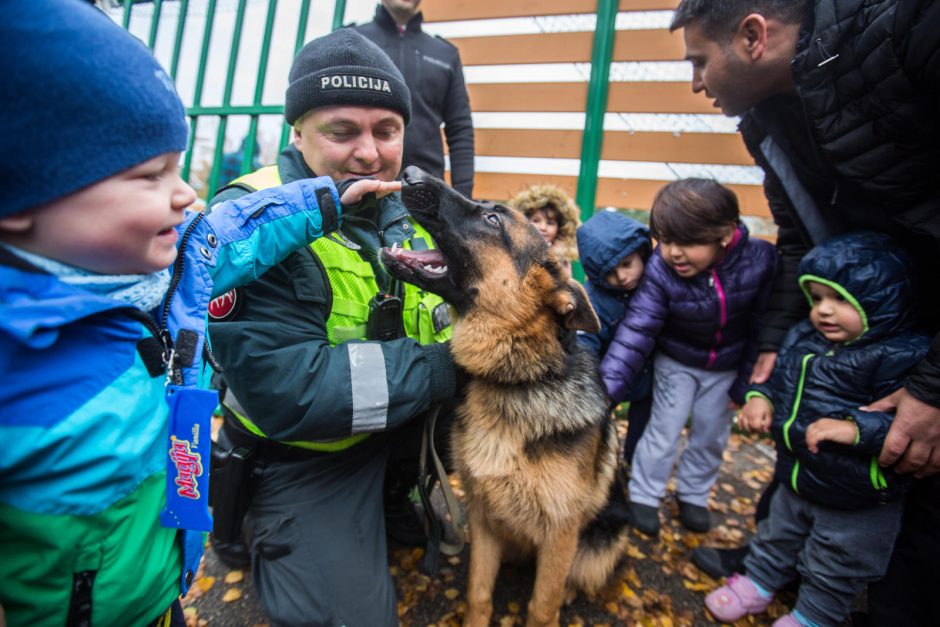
(660, 587)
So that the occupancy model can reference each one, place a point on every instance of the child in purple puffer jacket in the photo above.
(699, 304)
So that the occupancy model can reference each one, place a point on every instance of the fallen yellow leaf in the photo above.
(232, 594)
(513, 607)
(633, 578)
(234, 576)
(635, 553)
(205, 583)
(626, 590)
(451, 593)
(696, 587)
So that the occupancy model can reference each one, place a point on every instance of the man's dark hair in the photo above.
(693, 211)
(720, 18)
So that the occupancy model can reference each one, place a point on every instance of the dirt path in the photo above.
(661, 586)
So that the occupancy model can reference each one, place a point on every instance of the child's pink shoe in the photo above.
(786, 620)
(735, 599)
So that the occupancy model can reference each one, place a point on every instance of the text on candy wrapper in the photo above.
(188, 468)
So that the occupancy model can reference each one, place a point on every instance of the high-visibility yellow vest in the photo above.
(425, 316)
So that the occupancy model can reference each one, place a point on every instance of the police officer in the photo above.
(328, 362)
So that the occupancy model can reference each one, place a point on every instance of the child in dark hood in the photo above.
(613, 250)
(835, 521)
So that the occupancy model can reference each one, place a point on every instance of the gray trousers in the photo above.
(835, 552)
(316, 531)
(678, 391)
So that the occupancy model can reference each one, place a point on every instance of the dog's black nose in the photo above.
(413, 174)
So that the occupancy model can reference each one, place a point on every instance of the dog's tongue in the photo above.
(431, 261)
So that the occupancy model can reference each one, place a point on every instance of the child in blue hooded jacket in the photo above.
(614, 249)
(105, 280)
(834, 519)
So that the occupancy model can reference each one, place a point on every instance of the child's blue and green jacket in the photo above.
(815, 378)
(84, 420)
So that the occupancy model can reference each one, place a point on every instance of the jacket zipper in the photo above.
(877, 476)
(723, 317)
(812, 135)
(174, 374)
(793, 412)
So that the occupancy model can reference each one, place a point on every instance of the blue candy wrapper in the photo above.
(187, 466)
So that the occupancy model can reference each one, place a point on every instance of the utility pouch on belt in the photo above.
(385, 318)
(229, 487)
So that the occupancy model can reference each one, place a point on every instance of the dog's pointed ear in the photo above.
(572, 305)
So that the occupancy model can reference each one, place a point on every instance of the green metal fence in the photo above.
(200, 113)
(203, 115)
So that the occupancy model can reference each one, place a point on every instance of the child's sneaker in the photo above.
(737, 598)
(787, 620)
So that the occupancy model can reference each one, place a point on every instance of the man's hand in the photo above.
(763, 367)
(830, 430)
(354, 193)
(914, 436)
(756, 415)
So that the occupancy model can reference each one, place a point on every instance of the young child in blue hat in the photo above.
(105, 280)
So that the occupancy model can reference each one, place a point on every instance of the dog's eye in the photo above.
(493, 218)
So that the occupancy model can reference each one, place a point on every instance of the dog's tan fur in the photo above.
(532, 442)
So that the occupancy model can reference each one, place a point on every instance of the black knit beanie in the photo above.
(344, 68)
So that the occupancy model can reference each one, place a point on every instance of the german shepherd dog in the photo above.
(533, 441)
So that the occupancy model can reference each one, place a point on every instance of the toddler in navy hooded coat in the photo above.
(614, 250)
(835, 521)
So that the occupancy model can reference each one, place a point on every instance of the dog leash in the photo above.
(436, 544)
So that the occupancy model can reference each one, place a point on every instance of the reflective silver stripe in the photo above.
(805, 207)
(369, 387)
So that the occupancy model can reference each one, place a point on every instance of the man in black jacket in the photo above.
(432, 70)
(841, 109)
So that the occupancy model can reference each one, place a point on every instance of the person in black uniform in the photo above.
(330, 365)
(432, 70)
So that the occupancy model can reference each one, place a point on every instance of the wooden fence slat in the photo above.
(448, 10)
(629, 45)
(626, 193)
(635, 97)
(717, 148)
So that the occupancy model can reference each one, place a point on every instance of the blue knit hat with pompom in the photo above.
(82, 100)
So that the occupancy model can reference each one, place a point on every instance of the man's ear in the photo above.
(751, 36)
(572, 305)
(17, 223)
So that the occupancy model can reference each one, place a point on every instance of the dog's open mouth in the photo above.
(429, 265)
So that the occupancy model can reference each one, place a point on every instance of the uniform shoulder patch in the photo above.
(225, 306)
